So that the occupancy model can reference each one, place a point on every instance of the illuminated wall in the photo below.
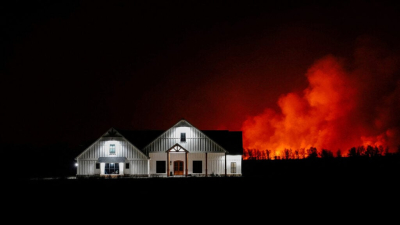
(215, 160)
(101, 148)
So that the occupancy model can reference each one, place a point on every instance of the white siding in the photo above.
(137, 167)
(195, 157)
(87, 160)
(197, 144)
(86, 167)
(101, 149)
(216, 163)
(238, 160)
(157, 157)
(196, 141)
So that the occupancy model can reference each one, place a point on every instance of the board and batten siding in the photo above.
(196, 141)
(86, 167)
(123, 148)
(138, 167)
(168, 147)
(216, 163)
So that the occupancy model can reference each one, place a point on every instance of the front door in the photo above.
(178, 167)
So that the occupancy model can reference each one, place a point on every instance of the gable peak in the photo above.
(183, 123)
(112, 133)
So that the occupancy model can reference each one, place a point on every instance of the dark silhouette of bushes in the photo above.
(313, 153)
(371, 162)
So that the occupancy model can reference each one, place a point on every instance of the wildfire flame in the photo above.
(345, 105)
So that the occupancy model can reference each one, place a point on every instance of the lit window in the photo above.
(111, 168)
(233, 167)
(112, 149)
(183, 137)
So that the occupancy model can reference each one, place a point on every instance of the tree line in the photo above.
(312, 152)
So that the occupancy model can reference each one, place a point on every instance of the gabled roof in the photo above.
(183, 123)
(140, 138)
(112, 132)
(231, 141)
(220, 137)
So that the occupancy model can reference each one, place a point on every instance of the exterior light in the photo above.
(76, 164)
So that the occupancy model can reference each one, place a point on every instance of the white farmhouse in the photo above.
(182, 150)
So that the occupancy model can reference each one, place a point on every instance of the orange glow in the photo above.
(339, 109)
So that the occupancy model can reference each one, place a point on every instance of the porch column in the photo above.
(186, 164)
(206, 164)
(168, 164)
(225, 164)
(148, 167)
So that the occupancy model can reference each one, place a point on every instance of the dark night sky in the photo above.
(72, 69)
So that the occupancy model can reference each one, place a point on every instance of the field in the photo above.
(259, 177)
(305, 186)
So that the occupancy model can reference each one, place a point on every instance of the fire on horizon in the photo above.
(346, 104)
(288, 75)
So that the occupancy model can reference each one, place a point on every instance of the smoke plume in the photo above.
(347, 103)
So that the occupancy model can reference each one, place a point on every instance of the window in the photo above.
(233, 167)
(112, 149)
(183, 137)
(160, 166)
(197, 166)
(97, 165)
(127, 166)
(111, 168)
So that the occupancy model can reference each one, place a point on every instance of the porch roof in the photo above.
(111, 159)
